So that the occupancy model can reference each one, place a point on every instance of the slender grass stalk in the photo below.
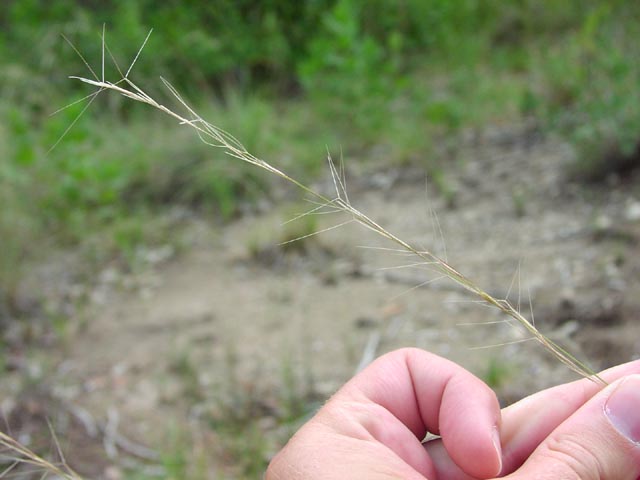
(218, 138)
(21, 455)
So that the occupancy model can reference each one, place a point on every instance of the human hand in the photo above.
(373, 428)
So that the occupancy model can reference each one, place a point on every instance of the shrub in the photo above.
(592, 91)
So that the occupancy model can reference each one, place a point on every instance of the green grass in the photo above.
(497, 373)
(19, 224)
(245, 417)
(591, 91)
(383, 91)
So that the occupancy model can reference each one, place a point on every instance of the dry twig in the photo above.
(21, 455)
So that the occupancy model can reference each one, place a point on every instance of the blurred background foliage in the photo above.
(390, 82)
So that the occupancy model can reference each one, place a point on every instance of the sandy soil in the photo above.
(217, 322)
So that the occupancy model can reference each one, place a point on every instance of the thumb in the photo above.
(600, 441)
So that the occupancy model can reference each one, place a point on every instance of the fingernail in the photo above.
(495, 436)
(622, 408)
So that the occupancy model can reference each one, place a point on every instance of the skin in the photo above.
(373, 428)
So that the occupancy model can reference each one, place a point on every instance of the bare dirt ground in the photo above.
(219, 332)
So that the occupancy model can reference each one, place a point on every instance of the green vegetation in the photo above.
(246, 416)
(592, 92)
(386, 81)
(497, 373)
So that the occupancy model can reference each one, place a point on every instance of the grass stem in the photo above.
(218, 138)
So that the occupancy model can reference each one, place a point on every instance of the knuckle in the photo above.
(575, 456)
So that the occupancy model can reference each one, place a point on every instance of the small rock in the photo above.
(267, 423)
(112, 473)
(632, 212)
(567, 300)
(109, 276)
(567, 329)
(602, 223)
(365, 322)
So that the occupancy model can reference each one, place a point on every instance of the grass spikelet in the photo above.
(217, 138)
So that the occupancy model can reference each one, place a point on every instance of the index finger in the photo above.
(407, 393)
